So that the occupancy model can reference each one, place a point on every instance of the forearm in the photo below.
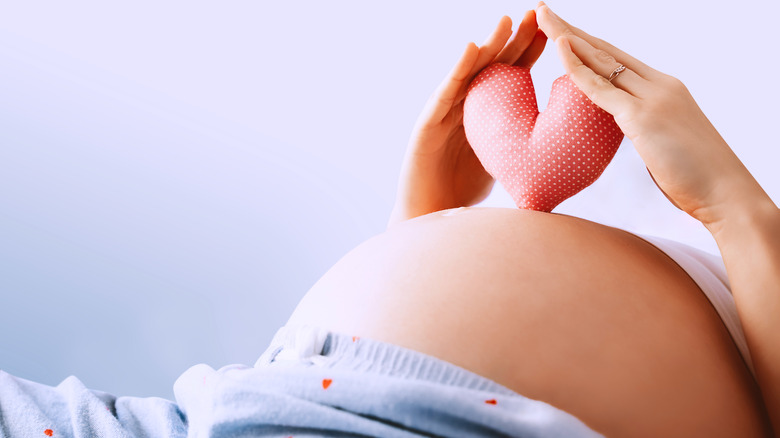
(749, 241)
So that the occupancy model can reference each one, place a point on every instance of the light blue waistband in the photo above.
(311, 345)
(337, 382)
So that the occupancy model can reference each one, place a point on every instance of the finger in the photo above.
(520, 41)
(493, 45)
(532, 53)
(448, 91)
(598, 89)
(603, 64)
(555, 26)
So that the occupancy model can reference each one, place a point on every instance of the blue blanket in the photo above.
(318, 385)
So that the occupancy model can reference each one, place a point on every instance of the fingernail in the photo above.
(552, 14)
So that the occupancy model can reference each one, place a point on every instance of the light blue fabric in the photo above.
(309, 383)
(30, 409)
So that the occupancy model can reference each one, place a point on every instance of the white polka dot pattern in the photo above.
(540, 159)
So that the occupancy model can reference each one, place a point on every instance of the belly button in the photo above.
(454, 211)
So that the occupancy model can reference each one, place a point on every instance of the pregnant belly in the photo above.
(588, 318)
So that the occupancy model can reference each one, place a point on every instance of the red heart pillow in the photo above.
(540, 159)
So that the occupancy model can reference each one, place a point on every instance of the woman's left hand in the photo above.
(440, 169)
(684, 153)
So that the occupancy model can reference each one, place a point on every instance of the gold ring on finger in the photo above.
(616, 72)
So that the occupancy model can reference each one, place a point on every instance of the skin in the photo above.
(692, 164)
(440, 169)
(588, 318)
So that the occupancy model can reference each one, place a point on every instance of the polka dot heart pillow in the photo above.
(541, 159)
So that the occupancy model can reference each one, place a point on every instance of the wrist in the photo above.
(734, 197)
(744, 217)
(397, 215)
(404, 211)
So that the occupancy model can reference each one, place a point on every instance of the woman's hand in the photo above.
(440, 169)
(687, 158)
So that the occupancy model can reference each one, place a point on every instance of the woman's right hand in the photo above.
(687, 158)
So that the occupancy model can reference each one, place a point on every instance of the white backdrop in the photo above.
(175, 175)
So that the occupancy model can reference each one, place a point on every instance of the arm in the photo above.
(695, 168)
(749, 241)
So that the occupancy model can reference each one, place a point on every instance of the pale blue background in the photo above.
(175, 175)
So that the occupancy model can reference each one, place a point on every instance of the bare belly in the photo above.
(588, 318)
